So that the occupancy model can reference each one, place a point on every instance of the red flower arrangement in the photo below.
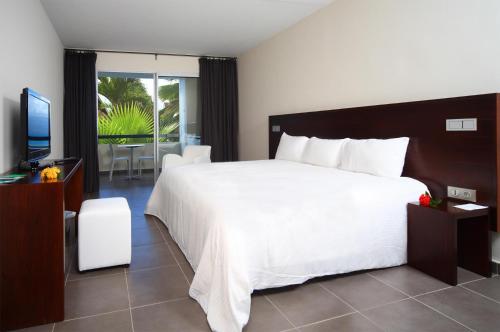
(427, 200)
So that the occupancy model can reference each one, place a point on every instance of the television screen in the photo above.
(36, 121)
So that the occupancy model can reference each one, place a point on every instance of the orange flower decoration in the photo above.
(50, 173)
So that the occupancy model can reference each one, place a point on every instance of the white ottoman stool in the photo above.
(104, 233)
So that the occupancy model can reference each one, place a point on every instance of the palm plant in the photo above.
(169, 122)
(169, 92)
(125, 108)
(126, 119)
(105, 105)
(118, 90)
(169, 115)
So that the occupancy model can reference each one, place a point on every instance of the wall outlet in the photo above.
(462, 193)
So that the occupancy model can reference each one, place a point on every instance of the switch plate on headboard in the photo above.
(276, 129)
(462, 193)
(461, 124)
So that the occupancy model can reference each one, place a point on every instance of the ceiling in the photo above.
(200, 27)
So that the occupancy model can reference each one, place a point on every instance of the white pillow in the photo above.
(323, 152)
(382, 157)
(291, 147)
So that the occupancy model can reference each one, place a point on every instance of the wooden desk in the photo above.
(442, 238)
(32, 246)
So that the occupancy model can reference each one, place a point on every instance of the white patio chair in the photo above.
(140, 159)
(113, 159)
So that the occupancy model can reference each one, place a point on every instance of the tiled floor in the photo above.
(152, 294)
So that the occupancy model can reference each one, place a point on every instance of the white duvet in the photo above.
(262, 224)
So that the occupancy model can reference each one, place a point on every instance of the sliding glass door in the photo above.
(178, 115)
(141, 118)
(125, 123)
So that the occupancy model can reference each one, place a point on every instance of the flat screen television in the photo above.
(35, 125)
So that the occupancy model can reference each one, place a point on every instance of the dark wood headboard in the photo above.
(437, 157)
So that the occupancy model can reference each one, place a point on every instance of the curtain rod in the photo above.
(148, 53)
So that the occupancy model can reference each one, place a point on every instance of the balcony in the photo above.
(168, 143)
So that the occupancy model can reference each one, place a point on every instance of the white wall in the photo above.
(366, 52)
(32, 56)
(182, 66)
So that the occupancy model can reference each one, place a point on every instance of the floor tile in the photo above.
(408, 280)
(138, 196)
(138, 205)
(362, 291)
(308, 303)
(156, 285)
(93, 296)
(177, 252)
(468, 308)
(149, 256)
(39, 328)
(74, 274)
(113, 322)
(136, 212)
(171, 242)
(70, 259)
(350, 323)
(179, 255)
(411, 316)
(164, 231)
(489, 287)
(145, 236)
(464, 275)
(188, 271)
(142, 221)
(265, 317)
(184, 315)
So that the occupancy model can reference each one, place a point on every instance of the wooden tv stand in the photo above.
(32, 248)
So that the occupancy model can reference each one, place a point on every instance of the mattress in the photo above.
(252, 225)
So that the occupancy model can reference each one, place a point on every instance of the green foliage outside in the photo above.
(127, 118)
(125, 108)
(124, 90)
(169, 114)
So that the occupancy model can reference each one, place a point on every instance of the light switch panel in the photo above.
(454, 124)
(469, 124)
(461, 124)
(462, 193)
(276, 129)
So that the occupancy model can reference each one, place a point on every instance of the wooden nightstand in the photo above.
(442, 238)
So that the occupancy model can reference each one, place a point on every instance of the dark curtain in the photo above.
(80, 114)
(219, 107)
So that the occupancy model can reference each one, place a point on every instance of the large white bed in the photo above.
(261, 224)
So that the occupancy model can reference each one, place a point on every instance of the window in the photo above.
(126, 115)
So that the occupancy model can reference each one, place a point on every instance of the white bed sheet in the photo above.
(260, 224)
